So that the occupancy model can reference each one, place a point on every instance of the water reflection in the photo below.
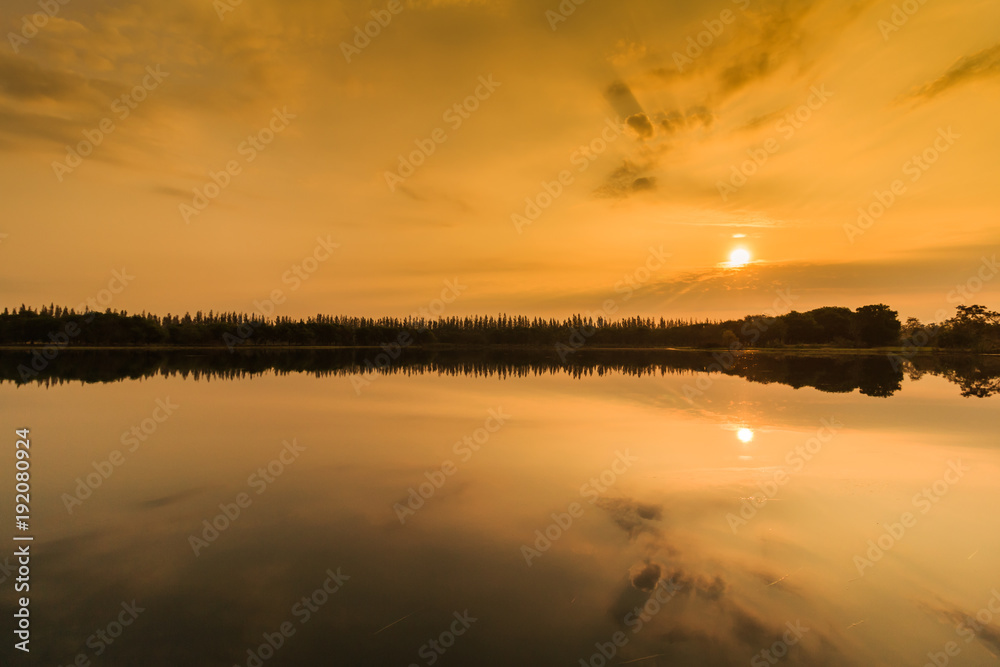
(652, 516)
(871, 374)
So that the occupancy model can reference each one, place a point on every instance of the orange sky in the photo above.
(667, 120)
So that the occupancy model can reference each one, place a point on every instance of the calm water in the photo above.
(703, 517)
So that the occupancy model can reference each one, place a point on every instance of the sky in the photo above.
(499, 156)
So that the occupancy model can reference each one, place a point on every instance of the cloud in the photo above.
(619, 95)
(673, 121)
(763, 119)
(171, 191)
(631, 516)
(711, 608)
(628, 179)
(23, 79)
(979, 65)
(955, 617)
(627, 51)
(646, 576)
(711, 589)
(706, 610)
(23, 127)
(757, 44)
(755, 67)
(700, 115)
(641, 125)
(670, 122)
(636, 175)
(644, 183)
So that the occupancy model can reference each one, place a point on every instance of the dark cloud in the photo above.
(641, 125)
(978, 65)
(167, 500)
(22, 126)
(631, 516)
(955, 617)
(645, 125)
(749, 629)
(761, 40)
(644, 183)
(171, 191)
(621, 99)
(626, 180)
(49, 104)
(700, 115)
(23, 79)
(708, 588)
(776, 35)
(635, 176)
(740, 74)
(763, 119)
(734, 629)
(646, 576)
(673, 121)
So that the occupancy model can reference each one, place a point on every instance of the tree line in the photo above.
(972, 328)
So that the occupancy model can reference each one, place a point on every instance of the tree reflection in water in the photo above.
(872, 375)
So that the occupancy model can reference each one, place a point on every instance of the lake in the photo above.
(672, 508)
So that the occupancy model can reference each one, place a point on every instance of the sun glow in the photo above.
(739, 257)
(745, 435)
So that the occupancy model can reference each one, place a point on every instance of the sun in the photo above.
(739, 257)
(745, 435)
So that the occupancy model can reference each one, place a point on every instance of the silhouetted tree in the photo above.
(877, 325)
